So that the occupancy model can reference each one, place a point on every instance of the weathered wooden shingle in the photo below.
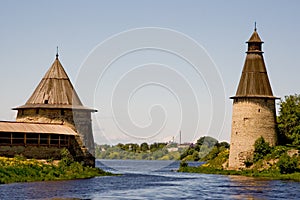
(254, 80)
(55, 91)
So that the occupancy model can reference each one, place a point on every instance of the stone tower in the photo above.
(55, 101)
(254, 113)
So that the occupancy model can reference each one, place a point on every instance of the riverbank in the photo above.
(274, 175)
(20, 169)
(139, 183)
(268, 167)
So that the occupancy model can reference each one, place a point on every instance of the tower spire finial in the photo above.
(57, 52)
(255, 26)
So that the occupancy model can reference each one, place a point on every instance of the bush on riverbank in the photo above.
(20, 169)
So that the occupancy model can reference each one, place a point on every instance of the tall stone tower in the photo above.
(254, 113)
(55, 101)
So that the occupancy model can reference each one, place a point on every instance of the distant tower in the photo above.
(55, 101)
(254, 113)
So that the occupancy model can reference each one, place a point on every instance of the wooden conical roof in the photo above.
(254, 80)
(55, 91)
(255, 37)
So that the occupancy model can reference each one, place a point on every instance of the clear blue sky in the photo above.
(31, 30)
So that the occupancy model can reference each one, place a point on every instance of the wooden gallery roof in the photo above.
(254, 80)
(55, 91)
(21, 127)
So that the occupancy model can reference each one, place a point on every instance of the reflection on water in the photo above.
(162, 183)
(249, 187)
(252, 188)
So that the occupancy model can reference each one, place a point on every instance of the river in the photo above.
(153, 180)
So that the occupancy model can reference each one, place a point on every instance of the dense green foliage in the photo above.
(155, 151)
(261, 149)
(282, 162)
(288, 164)
(206, 148)
(279, 162)
(289, 120)
(19, 169)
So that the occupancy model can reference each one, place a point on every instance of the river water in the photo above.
(153, 180)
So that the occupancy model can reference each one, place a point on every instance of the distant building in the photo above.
(172, 149)
(254, 113)
(51, 119)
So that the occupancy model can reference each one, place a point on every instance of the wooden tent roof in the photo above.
(255, 37)
(55, 91)
(254, 80)
(21, 127)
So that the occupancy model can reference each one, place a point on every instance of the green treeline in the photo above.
(20, 169)
(144, 151)
(203, 150)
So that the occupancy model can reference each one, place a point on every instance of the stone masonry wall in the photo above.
(55, 116)
(83, 125)
(251, 119)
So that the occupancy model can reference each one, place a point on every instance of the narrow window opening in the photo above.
(46, 101)
(258, 110)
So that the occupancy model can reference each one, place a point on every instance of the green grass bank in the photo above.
(20, 169)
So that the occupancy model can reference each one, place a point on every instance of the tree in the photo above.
(224, 144)
(289, 120)
(207, 140)
(121, 146)
(157, 146)
(144, 147)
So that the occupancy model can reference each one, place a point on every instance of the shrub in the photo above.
(287, 164)
(248, 162)
(261, 149)
(278, 151)
(66, 158)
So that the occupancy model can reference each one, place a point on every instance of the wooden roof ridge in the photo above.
(55, 90)
(254, 81)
